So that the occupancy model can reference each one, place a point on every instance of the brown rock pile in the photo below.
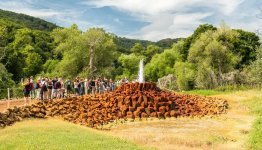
(133, 100)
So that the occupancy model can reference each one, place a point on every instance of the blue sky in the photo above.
(143, 19)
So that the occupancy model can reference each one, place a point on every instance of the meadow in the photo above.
(240, 128)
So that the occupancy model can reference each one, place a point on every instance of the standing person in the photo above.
(58, 88)
(101, 87)
(54, 90)
(32, 88)
(68, 87)
(111, 85)
(76, 87)
(38, 89)
(62, 88)
(97, 85)
(43, 90)
(126, 80)
(49, 88)
(26, 91)
(107, 85)
(92, 84)
(86, 86)
(82, 87)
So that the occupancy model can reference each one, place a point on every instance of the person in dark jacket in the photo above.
(82, 87)
(27, 89)
(68, 85)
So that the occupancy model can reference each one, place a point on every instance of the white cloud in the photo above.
(25, 8)
(164, 18)
(63, 17)
(169, 18)
(154, 7)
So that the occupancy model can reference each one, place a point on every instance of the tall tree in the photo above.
(138, 49)
(86, 53)
(214, 55)
(162, 64)
(256, 67)
(99, 44)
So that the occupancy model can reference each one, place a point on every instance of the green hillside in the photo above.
(23, 20)
(125, 44)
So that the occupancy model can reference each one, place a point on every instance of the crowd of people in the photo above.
(48, 88)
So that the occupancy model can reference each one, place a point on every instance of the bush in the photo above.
(185, 75)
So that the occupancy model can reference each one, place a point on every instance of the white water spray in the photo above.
(141, 72)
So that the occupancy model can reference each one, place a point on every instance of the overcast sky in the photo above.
(143, 19)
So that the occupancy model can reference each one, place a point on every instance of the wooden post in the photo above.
(8, 93)
(8, 97)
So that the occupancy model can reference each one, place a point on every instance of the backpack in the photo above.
(36, 85)
(31, 86)
(44, 87)
(57, 85)
(92, 83)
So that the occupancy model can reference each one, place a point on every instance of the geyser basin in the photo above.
(131, 100)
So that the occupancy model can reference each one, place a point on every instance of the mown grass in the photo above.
(56, 135)
(203, 92)
(219, 90)
(255, 136)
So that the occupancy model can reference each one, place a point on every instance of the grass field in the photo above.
(255, 137)
(253, 100)
(235, 130)
(56, 135)
(239, 129)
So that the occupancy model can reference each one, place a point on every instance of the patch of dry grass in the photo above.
(228, 131)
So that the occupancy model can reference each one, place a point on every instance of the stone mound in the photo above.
(132, 100)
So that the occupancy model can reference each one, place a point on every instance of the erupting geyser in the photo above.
(141, 72)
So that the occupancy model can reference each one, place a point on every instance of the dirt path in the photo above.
(228, 131)
(5, 104)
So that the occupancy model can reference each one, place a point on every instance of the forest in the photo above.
(209, 58)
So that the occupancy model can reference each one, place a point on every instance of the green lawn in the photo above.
(255, 136)
(203, 92)
(58, 134)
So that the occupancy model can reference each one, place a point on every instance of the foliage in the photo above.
(83, 53)
(167, 43)
(150, 51)
(32, 64)
(138, 49)
(26, 21)
(185, 75)
(255, 69)
(191, 39)
(27, 47)
(130, 65)
(50, 65)
(245, 45)
(213, 57)
(101, 49)
(125, 44)
(162, 64)
(26, 52)
(5, 81)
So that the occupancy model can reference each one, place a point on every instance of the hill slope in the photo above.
(26, 21)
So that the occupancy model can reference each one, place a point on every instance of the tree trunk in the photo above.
(91, 61)
(220, 74)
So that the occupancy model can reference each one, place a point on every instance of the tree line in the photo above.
(206, 59)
